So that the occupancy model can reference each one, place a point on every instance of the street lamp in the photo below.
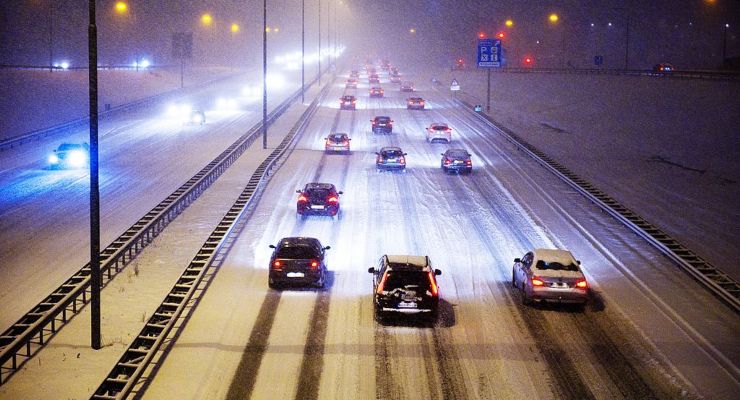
(509, 23)
(554, 20)
(206, 19)
(724, 45)
(121, 7)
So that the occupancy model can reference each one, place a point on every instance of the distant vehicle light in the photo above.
(64, 65)
(144, 63)
(53, 159)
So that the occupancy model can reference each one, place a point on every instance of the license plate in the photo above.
(295, 275)
(458, 162)
(315, 207)
(391, 160)
(407, 304)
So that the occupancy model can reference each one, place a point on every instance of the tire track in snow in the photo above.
(245, 376)
(451, 378)
(312, 363)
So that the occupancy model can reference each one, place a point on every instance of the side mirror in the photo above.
(437, 272)
(327, 247)
(517, 260)
(340, 192)
(371, 270)
(272, 246)
(441, 154)
(578, 262)
(405, 154)
(298, 191)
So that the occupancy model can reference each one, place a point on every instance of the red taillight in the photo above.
(448, 130)
(403, 161)
(333, 200)
(432, 284)
(314, 264)
(382, 284)
(303, 198)
(276, 264)
(581, 284)
(447, 161)
(536, 281)
(468, 162)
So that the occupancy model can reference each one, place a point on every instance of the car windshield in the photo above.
(69, 146)
(318, 193)
(403, 279)
(556, 266)
(457, 154)
(392, 153)
(382, 119)
(348, 98)
(296, 252)
(337, 138)
(439, 127)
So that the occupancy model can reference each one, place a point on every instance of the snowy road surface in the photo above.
(649, 331)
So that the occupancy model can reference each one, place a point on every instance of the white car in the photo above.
(551, 276)
(439, 132)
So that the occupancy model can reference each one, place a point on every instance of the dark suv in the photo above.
(318, 198)
(390, 157)
(347, 102)
(298, 260)
(405, 285)
(382, 124)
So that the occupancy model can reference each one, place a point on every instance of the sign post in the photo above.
(182, 47)
(489, 56)
(454, 87)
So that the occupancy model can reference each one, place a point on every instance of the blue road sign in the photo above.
(489, 53)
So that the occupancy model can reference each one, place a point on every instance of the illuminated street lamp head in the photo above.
(553, 18)
(412, 30)
(206, 19)
(121, 7)
(234, 28)
(268, 29)
(276, 29)
(509, 23)
(481, 35)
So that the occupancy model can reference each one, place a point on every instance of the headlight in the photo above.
(77, 158)
(53, 159)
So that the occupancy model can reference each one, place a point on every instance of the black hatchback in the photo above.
(405, 285)
(298, 261)
(318, 198)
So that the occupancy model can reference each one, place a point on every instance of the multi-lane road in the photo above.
(649, 331)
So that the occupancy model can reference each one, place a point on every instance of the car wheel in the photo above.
(271, 284)
(513, 278)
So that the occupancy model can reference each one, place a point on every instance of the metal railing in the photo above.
(25, 337)
(712, 278)
(122, 379)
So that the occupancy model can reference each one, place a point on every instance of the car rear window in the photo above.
(297, 252)
(439, 127)
(457, 154)
(403, 279)
(393, 153)
(556, 266)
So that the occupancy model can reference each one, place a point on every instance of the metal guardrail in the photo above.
(685, 74)
(712, 278)
(85, 121)
(127, 371)
(25, 337)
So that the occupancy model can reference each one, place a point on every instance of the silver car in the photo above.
(551, 276)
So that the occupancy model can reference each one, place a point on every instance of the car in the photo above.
(395, 72)
(663, 68)
(407, 86)
(338, 141)
(318, 199)
(376, 91)
(355, 73)
(457, 160)
(415, 103)
(347, 102)
(373, 78)
(395, 79)
(298, 261)
(405, 285)
(350, 83)
(70, 156)
(439, 132)
(390, 157)
(195, 117)
(382, 124)
(550, 275)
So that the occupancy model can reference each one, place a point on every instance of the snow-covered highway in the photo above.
(648, 332)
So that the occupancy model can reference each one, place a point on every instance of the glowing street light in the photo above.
(553, 18)
(206, 19)
(509, 23)
(481, 35)
(412, 30)
(234, 28)
(121, 7)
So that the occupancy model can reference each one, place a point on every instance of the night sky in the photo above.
(686, 33)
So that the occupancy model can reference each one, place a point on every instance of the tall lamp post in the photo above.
(724, 45)
(95, 281)
(51, 35)
(264, 74)
(303, 51)
(319, 43)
